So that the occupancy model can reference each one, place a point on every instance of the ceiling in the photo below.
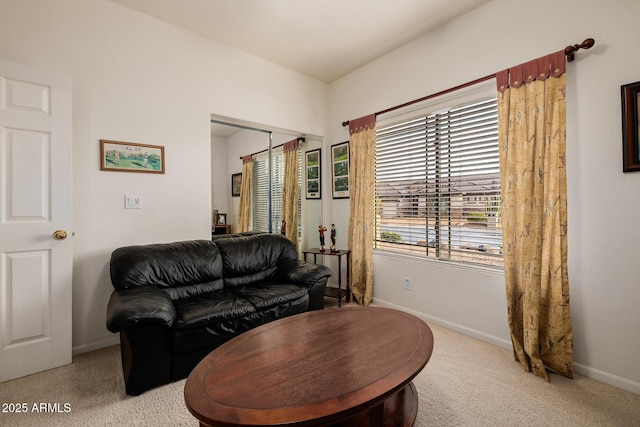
(322, 39)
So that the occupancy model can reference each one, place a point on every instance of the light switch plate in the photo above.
(132, 201)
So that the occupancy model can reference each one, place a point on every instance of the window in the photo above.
(438, 185)
(260, 191)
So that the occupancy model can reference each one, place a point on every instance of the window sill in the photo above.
(441, 263)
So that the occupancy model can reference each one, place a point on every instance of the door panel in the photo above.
(28, 157)
(26, 278)
(35, 201)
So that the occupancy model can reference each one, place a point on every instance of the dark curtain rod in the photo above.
(300, 139)
(569, 52)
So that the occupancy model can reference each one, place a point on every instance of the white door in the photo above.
(35, 202)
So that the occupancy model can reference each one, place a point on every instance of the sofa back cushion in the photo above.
(254, 258)
(181, 269)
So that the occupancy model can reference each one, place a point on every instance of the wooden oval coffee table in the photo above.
(349, 366)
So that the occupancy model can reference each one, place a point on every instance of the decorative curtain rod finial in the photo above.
(345, 123)
(570, 51)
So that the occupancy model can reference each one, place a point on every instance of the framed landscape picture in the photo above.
(340, 170)
(312, 163)
(630, 127)
(118, 156)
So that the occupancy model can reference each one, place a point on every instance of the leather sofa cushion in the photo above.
(213, 307)
(252, 259)
(233, 304)
(267, 295)
(197, 334)
(181, 269)
(212, 335)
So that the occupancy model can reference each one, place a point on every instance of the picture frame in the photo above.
(340, 170)
(236, 184)
(313, 174)
(630, 94)
(222, 219)
(120, 156)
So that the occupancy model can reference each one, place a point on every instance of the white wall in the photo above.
(604, 238)
(140, 80)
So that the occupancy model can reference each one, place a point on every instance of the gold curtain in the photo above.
(244, 214)
(362, 157)
(290, 191)
(532, 124)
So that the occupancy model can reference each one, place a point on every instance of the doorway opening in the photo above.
(232, 139)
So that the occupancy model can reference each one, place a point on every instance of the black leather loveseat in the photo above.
(174, 303)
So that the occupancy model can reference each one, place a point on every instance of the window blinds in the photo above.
(438, 184)
(260, 191)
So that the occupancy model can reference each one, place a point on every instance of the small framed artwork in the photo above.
(236, 184)
(118, 156)
(340, 170)
(630, 127)
(312, 159)
(222, 219)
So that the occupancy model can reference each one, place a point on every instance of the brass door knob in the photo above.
(59, 235)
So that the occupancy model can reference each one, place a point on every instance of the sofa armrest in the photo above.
(314, 276)
(305, 273)
(137, 306)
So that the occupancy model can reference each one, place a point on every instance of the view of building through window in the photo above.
(438, 185)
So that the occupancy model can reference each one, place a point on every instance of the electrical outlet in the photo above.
(407, 283)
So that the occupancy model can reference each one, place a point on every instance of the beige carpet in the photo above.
(466, 383)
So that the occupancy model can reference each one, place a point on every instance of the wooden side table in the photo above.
(333, 292)
(220, 229)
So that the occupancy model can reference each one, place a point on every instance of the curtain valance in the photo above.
(290, 145)
(363, 123)
(553, 65)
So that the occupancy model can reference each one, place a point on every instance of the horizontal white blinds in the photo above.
(260, 191)
(438, 185)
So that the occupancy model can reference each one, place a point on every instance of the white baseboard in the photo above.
(95, 346)
(482, 336)
(578, 368)
(607, 378)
